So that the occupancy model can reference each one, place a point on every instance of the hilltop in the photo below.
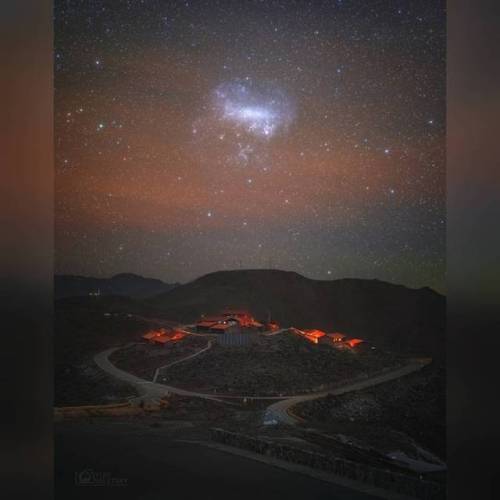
(393, 316)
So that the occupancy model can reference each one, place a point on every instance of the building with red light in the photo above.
(161, 339)
(353, 342)
(244, 318)
(272, 326)
(312, 335)
(228, 327)
(153, 334)
(336, 337)
(229, 321)
(162, 336)
(206, 323)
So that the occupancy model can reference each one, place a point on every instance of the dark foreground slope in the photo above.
(83, 327)
(149, 461)
(414, 405)
(393, 316)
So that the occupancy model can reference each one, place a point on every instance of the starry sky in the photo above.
(198, 136)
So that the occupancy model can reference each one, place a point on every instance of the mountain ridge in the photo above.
(391, 315)
(126, 284)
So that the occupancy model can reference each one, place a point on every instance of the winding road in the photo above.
(148, 391)
(191, 356)
(279, 411)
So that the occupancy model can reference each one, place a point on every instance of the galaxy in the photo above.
(262, 112)
(197, 136)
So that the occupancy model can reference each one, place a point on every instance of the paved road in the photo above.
(191, 356)
(270, 334)
(279, 411)
(149, 391)
(276, 412)
(152, 391)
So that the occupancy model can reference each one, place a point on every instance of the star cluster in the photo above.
(205, 135)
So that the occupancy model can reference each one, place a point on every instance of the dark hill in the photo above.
(127, 284)
(393, 316)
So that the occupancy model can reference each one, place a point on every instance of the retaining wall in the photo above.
(381, 478)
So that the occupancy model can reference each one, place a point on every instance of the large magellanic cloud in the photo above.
(261, 109)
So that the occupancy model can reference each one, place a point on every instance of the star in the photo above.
(259, 109)
(317, 142)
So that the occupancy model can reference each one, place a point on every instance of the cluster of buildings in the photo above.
(233, 322)
(163, 336)
(235, 327)
(339, 340)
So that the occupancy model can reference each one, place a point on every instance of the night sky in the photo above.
(200, 136)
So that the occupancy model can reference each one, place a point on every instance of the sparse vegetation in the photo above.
(281, 364)
(414, 405)
(143, 359)
(82, 330)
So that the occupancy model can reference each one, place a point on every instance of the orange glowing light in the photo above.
(154, 333)
(336, 337)
(311, 335)
(354, 342)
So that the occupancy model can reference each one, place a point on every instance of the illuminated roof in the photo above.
(256, 324)
(162, 339)
(337, 335)
(212, 319)
(314, 333)
(221, 326)
(153, 334)
(354, 342)
(177, 335)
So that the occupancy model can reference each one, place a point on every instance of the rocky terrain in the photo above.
(143, 359)
(83, 327)
(389, 415)
(279, 364)
(85, 384)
